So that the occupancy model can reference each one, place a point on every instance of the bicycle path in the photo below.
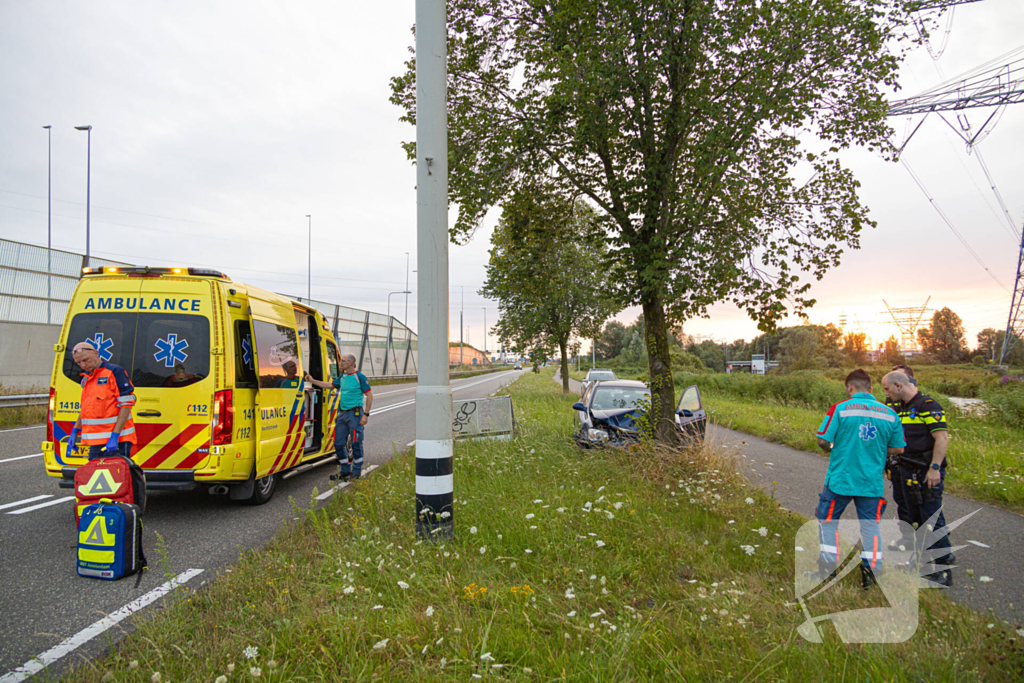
(796, 477)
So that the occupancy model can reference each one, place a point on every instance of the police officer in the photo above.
(858, 434)
(892, 471)
(108, 396)
(922, 466)
(352, 416)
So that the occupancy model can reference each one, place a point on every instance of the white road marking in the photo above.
(34, 666)
(979, 544)
(20, 429)
(41, 505)
(23, 502)
(331, 491)
(403, 404)
(22, 457)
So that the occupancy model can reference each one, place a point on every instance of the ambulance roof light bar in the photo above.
(149, 271)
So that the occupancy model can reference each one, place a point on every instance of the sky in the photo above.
(217, 127)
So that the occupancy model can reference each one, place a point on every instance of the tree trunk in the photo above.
(659, 365)
(565, 365)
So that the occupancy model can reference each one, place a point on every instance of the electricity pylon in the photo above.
(1015, 323)
(922, 5)
(908, 320)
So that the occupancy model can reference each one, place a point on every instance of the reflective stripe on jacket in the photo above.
(105, 391)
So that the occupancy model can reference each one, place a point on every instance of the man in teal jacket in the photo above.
(352, 415)
(858, 434)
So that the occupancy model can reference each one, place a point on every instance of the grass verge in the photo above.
(567, 565)
(23, 416)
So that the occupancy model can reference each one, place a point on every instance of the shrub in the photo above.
(1006, 405)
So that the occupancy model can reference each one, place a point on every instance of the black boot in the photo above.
(943, 578)
(867, 577)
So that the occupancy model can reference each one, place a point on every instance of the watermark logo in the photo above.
(822, 563)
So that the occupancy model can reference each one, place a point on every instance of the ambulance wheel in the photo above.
(263, 490)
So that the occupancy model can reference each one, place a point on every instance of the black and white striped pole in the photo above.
(434, 480)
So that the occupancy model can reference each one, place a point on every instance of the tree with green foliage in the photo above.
(686, 123)
(855, 346)
(611, 340)
(891, 354)
(990, 343)
(800, 349)
(944, 338)
(547, 276)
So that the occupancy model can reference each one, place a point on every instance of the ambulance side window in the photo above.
(245, 357)
(277, 355)
(332, 357)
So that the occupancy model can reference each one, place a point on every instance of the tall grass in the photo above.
(567, 565)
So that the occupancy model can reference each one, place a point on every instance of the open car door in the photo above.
(691, 419)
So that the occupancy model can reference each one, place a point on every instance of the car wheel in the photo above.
(263, 490)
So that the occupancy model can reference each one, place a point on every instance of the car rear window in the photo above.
(607, 398)
(602, 375)
(156, 349)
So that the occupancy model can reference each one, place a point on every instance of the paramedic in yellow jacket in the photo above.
(108, 396)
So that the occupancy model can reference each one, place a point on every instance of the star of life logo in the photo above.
(247, 351)
(104, 347)
(868, 431)
(170, 350)
(821, 563)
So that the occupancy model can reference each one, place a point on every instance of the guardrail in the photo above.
(20, 400)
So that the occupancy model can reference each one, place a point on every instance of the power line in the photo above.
(949, 223)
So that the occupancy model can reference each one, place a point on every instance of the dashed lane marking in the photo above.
(331, 491)
(22, 457)
(41, 505)
(37, 664)
(23, 502)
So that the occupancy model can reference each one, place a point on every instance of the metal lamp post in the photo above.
(88, 187)
(435, 489)
(309, 264)
(49, 218)
(485, 336)
(405, 320)
(389, 301)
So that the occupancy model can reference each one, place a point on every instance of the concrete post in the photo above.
(434, 479)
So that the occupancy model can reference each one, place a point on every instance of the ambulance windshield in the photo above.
(156, 349)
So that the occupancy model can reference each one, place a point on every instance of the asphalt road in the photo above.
(43, 602)
(992, 536)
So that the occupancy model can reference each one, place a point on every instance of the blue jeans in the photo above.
(124, 448)
(869, 512)
(931, 502)
(348, 429)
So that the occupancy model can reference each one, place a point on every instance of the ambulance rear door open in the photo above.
(311, 350)
(279, 401)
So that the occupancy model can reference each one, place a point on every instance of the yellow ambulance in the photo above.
(218, 370)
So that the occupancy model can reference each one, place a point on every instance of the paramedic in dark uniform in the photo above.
(108, 396)
(352, 415)
(922, 466)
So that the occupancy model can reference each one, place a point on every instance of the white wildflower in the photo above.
(528, 551)
(251, 652)
(403, 585)
(538, 501)
(600, 544)
(231, 668)
(749, 549)
(378, 607)
(731, 521)
(749, 501)
(569, 594)
(380, 645)
(763, 531)
(349, 590)
(483, 550)
(134, 664)
(530, 516)
(156, 677)
(424, 651)
(472, 529)
(221, 679)
(430, 611)
(571, 614)
(255, 671)
(486, 657)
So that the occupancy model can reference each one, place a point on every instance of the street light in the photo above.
(49, 219)
(88, 186)
(405, 320)
(389, 302)
(309, 264)
(485, 335)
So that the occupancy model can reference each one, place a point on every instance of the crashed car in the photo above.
(608, 411)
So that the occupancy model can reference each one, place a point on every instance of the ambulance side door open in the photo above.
(280, 397)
